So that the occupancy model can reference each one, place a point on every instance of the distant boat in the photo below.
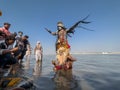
(104, 52)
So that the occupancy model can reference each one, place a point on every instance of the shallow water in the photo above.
(90, 72)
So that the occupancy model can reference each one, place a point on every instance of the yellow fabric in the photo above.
(62, 45)
(13, 81)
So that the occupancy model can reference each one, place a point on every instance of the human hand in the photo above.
(14, 49)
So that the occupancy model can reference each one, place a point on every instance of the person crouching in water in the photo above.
(38, 52)
(64, 58)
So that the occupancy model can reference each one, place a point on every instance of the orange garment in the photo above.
(67, 44)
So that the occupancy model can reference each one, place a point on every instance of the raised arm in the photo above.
(52, 33)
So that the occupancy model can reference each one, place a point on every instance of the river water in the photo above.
(90, 72)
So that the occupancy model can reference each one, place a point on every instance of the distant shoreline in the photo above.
(95, 53)
(82, 53)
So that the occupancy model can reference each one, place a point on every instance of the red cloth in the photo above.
(68, 44)
(58, 67)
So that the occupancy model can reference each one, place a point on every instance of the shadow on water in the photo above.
(64, 80)
(27, 64)
(47, 79)
(33, 73)
(61, 80)
(37, 68)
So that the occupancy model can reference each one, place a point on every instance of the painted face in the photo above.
(59, 27)
(20, 34)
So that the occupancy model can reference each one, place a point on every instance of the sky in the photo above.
(33, 16)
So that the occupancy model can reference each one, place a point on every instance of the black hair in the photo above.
(11, 37)
(20, 32)
(6, 23)
(26, 36)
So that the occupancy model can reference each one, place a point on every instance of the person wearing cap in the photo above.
(38, 51)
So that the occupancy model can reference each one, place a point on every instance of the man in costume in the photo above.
(64, 58)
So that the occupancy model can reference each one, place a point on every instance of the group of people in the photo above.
(13, 46)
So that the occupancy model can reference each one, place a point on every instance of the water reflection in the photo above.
(27, 63)
(37, 68)
(90, 72)
(64, 80)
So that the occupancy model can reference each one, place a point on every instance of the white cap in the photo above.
(38, 42)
